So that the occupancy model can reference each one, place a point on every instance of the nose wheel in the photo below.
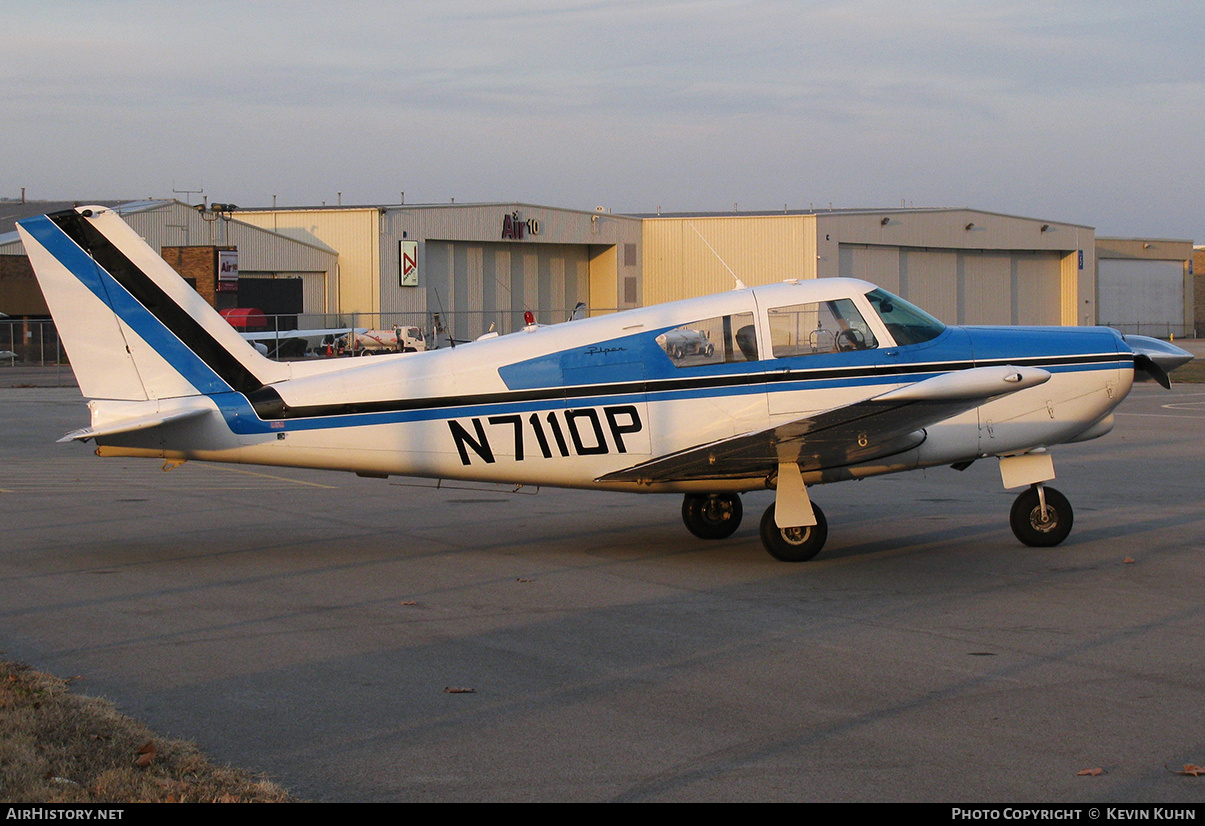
(1041, 517)
(712, 515)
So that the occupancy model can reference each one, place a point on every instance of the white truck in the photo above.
(361, 342)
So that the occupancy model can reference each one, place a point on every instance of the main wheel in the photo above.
(1032, 528)
(794, 544)
(712, 515)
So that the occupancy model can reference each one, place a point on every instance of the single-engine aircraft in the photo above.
(784, 387)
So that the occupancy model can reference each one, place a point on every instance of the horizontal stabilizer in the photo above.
(135, 423)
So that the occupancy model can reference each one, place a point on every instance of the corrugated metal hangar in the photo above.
(482, 266)
(964, 266)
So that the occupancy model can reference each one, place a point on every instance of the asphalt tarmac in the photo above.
(319, 627)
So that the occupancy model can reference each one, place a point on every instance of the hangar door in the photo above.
(1143, 297)
(964, 286)
(477, 284)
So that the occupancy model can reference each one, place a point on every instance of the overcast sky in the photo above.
(1087, 112)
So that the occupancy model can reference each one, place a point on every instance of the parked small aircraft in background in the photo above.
(784, 387)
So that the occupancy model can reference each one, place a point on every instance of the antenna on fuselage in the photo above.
(740, 285)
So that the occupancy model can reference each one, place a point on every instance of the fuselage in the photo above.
(567, 404)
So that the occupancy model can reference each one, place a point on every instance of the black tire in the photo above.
(712, 516)
(794, 544)
(1028, 525)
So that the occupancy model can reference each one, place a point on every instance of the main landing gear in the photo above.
(793, 544)
(1041, 517)
(712, 515)
(718, 515)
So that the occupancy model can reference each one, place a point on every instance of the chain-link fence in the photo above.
(1164, 331)
(31, 354)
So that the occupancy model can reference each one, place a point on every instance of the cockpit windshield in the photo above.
(906, 323)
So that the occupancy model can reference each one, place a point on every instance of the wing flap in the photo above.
(874, 428)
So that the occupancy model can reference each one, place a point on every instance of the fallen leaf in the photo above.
(409, 602)
(521, 579)
(146, 755)
(1089, 772)
(1129, 560)
(1191, 769)
(454, 690)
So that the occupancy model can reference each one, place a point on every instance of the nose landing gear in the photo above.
(1041, 517)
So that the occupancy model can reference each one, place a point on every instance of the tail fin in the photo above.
(133, 328)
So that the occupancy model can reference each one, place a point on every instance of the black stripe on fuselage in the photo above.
(170, 314)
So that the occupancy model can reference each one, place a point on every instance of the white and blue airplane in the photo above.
(782, 387)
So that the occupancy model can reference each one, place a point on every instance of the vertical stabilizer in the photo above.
(134, 329)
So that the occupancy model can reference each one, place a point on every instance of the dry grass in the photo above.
(58, 747)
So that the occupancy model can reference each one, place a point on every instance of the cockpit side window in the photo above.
(907, 323)
(823, 327)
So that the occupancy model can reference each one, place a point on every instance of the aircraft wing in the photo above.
(870, 429)
(317, 333)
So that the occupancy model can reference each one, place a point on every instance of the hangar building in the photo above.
(964, 266)
(480, 264)
(281, 274)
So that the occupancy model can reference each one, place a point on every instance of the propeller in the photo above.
(1156, 358)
